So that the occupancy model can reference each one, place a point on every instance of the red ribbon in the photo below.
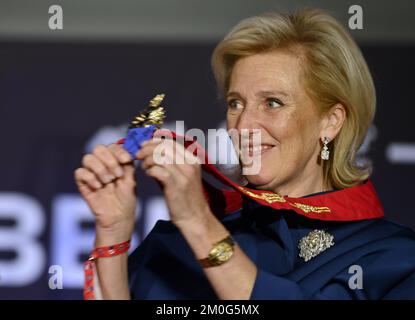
(89, 265)
(351, 204)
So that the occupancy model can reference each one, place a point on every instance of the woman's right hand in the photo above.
(106, 181)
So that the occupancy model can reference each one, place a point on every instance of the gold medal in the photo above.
(153, 115)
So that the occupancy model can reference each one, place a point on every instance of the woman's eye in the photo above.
(274, 103)
(234, 104)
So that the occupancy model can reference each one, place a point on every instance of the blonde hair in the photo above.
(335, 71)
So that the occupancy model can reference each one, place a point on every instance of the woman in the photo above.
(310, 224)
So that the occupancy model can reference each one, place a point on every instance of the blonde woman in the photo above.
(307, 226)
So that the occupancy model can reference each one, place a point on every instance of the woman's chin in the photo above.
(259, 181)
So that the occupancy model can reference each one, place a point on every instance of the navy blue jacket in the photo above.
(164, 267)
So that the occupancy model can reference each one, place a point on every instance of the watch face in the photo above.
(222, 252)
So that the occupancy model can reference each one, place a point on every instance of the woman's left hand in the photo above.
(179, 172)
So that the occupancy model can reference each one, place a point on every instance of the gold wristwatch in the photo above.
(221, 252)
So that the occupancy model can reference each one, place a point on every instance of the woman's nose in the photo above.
(248, 119)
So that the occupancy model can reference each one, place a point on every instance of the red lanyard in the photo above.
(89, 265)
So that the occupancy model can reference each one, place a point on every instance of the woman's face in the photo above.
(266, 93)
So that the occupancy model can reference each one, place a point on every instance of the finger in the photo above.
(159, 173)
(147, 148)
(178, 155)
(153, 159)
(180, 152)
(95, 165)
(175, 173)
(129, 174)
(163, 134)
(160, 153)
(84, 177)
(147, 162)
(85, 190)
(191, 159)
(170, 154)
(109, 160)
(120, 153)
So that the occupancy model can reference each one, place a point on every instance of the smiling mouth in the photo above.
(253, 151)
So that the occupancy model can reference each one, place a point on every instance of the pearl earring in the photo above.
(325, 153)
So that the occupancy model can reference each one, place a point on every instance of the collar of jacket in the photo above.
(351, 204)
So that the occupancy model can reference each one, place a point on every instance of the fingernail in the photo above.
(118, 172)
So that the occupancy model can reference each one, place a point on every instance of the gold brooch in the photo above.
(315, 243)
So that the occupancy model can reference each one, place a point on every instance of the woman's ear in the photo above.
(333, 121)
